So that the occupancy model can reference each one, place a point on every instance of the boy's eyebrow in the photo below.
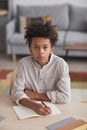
(42, 45)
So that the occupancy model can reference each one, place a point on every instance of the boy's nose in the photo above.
(41, 50)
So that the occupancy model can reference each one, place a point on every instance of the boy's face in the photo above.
(41, 49)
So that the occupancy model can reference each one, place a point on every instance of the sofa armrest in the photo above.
(10, 28)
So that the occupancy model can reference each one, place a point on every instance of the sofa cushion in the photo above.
(59, 13)
(61, 38)
(17, 38)
(78, 18)
(74, 37)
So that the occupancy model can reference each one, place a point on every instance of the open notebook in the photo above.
(24, 112)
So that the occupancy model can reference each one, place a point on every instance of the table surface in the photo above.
(74, 109)
(78, 47)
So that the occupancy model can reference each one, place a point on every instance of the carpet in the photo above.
(78, 80)
(5, 81)
(4, 73)
(4, 86)
(78, 76)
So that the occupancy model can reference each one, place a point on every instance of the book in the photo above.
(24, 112)
(2, 118)
(61, 123)
(83, 127)
(72, 125)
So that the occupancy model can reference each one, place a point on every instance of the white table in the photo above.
(74, 109)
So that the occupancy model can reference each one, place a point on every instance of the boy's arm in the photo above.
(36, 96)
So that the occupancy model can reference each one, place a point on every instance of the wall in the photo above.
(42, 2)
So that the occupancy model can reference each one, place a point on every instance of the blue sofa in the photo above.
(70, 19)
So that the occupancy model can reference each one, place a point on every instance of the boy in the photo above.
(42, 76)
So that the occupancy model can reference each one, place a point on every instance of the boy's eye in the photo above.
(36, 47)
(45, 47)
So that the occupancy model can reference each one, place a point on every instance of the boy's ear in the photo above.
(52, 48)
(30, 49)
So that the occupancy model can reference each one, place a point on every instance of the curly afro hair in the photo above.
(40, 29)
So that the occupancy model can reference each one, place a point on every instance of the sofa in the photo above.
(70, 19)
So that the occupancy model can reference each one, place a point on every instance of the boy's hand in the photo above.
(37, 107)
(41, 109)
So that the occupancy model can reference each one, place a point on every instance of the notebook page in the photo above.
(24, 112)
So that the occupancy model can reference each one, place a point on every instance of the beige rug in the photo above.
(79, 85)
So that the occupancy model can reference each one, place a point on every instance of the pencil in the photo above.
(44, 104)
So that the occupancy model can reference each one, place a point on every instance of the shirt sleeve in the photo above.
(62, 94)
(19, 85)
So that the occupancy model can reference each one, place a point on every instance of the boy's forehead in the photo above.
(40, 40)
